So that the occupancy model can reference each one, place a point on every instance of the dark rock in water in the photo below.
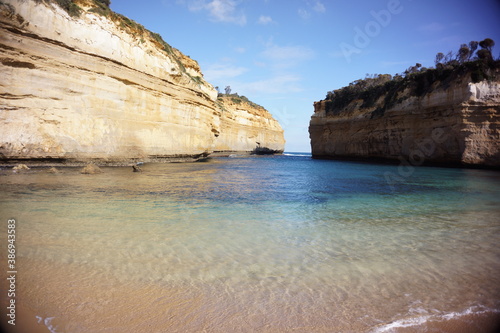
(265, 151)
(136, 168)
(91, 169)
(203, 157)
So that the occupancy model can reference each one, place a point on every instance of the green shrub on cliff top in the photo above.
(419, 80)
(107, 3)
(101, 8)
(70, 7)
(132, 27)
(237, 99)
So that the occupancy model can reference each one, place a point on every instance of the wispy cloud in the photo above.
(264, 20)
(281, 63)
(312, 7)
(219, 10)
(386, 64)
(450, 41)
(319, 7)
(222, 71)
(277, 84)
(304, 14)
(432, 27)
(336, 54)
(286, 56)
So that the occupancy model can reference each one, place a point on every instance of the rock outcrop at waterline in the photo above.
(98, 86)
(454, 123)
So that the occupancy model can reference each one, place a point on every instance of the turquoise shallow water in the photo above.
(267, 244)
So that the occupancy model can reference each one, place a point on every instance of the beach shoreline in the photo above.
(469, 321)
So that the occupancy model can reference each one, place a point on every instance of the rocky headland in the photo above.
(445, 116)
(79, 83)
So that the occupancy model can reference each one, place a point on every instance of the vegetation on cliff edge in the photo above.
(237, 99)
(101, 7)
(468, 62)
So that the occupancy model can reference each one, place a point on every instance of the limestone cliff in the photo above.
(99, 86)
(451, 123)
(245, 125)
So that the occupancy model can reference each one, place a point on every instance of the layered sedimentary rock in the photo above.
(453, 124)
(245, 126)
(98, 86)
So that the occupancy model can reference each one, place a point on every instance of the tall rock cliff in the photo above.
(245, 126)
(456, 122)
(96, 85)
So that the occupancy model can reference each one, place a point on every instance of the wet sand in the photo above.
(26, 322)
(484, 323)
(73, 298)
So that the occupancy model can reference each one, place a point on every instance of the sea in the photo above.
(282, 243)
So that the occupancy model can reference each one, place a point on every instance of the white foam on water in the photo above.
(421, 320)
(297, 154)
(475, 310)
(402, 323)
(47, 322)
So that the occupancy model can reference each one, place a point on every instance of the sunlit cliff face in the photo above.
(87, 87)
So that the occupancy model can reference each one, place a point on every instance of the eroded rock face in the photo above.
(244, 126)
(92, 88)
(91, 169)
(459, 125)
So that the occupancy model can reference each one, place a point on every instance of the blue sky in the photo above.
(284, 55)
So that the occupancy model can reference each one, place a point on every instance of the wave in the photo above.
(298, 154)
(47, 322)
(476, 316)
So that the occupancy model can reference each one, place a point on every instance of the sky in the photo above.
(285, 55)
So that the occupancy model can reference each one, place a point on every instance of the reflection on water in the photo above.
(253, 244)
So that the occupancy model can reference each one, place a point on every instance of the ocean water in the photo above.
(256, 244)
